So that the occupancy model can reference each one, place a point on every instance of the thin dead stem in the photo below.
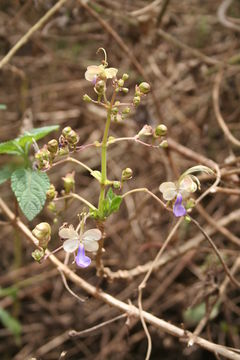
(226, 269)
(144, 283)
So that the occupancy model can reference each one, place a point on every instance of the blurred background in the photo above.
(178, 47)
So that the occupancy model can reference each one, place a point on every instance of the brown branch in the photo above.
(31, 31)
(112, 301)
(220, 119)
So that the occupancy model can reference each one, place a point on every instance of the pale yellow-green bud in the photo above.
(116, 184)
(125, 90)
(63, 151)
(69, 182)
(87, 98)
(127, 174)
(52, 207)
(161, 130)
(114, 110)
(43, 233)
(121, 82)
(38, 255)
(163, 144)
(125, 77)
(66, 130)
(51, 193)
(144, 87)
(136, 100)
(126, 110)
(146, 131)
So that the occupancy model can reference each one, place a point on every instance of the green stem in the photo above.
(104, 156)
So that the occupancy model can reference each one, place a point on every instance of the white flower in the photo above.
(185, 187)
(94, 71)
(89, 239)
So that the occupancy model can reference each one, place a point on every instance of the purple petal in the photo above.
(94, 80)
(178, 208)
(82, 260)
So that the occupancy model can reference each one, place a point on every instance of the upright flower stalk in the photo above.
(104, 155)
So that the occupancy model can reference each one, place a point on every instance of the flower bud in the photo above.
(126, 110)
(100, 87)
(115, 110)
(43, 233)
(69, 182)
(121, 82)
(163, 144)
(63, 151)
(144, 87)
(125, 90)
(52, 207)
(190, 203)
(125, 77)
(66, 131)
(161, 130)
(38, 255)
(52, 146)
(147, 130)
(87, 98)
(72, 138)
(51, 193)
(116, 184)
(136, 100)
(127, 174)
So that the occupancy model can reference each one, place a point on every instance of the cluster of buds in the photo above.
(42, 233)
(119, 84)
(159, 132)
(67, 141)
(140, 90)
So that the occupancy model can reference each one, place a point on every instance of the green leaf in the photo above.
(194, 315)
(20, 146)
(6, 172)
(97, 175)
(111, 203)
(30, 188)
(36, 134)
(10, 323)
(11, 147)
(9, 291)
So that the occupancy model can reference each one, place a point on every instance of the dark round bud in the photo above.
(52, 146)
(100, 87)
(72, 137)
